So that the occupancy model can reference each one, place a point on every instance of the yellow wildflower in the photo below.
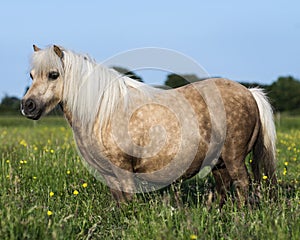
(68, 172)
(49, 213)
(75, 192)
(23, 143)
(265, 177)
(193, 237)
(84, 185)
(51, 194)
(286, 163)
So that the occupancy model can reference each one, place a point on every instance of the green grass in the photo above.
(39, 158)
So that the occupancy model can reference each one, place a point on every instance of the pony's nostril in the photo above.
(30, 105)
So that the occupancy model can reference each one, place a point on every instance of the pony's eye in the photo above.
(53, 75)
(31, 76)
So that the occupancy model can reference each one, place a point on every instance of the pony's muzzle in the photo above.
(29, 108)
(30, 105)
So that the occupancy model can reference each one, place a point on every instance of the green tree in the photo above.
(128, 73)
(253, 85)
(285, 93)
(175, 80)
(10, 105)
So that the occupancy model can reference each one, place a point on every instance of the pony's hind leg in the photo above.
(223, 183)
(240, 181)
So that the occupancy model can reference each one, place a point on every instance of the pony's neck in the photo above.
(67, 113)
(91, 91)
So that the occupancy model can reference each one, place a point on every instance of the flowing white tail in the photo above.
(264, 154)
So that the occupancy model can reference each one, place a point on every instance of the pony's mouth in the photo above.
(34, 117)
(31, 110)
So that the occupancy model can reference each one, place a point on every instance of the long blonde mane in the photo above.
(91, 90)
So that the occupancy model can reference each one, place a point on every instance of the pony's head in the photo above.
(46, 90)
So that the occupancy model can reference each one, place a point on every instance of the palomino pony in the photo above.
(139, 138)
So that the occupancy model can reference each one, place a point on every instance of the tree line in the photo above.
(284, 93)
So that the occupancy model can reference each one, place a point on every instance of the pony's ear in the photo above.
(36, 48)
(58, 51)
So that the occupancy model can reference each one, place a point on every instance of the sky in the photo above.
(251, 41)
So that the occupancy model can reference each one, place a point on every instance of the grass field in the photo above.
(47, 193)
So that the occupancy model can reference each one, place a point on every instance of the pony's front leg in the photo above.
(126, 180)
(120, 197)
(121, 184)
(117, 191)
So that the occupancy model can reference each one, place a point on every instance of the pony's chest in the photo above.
(91, 150)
